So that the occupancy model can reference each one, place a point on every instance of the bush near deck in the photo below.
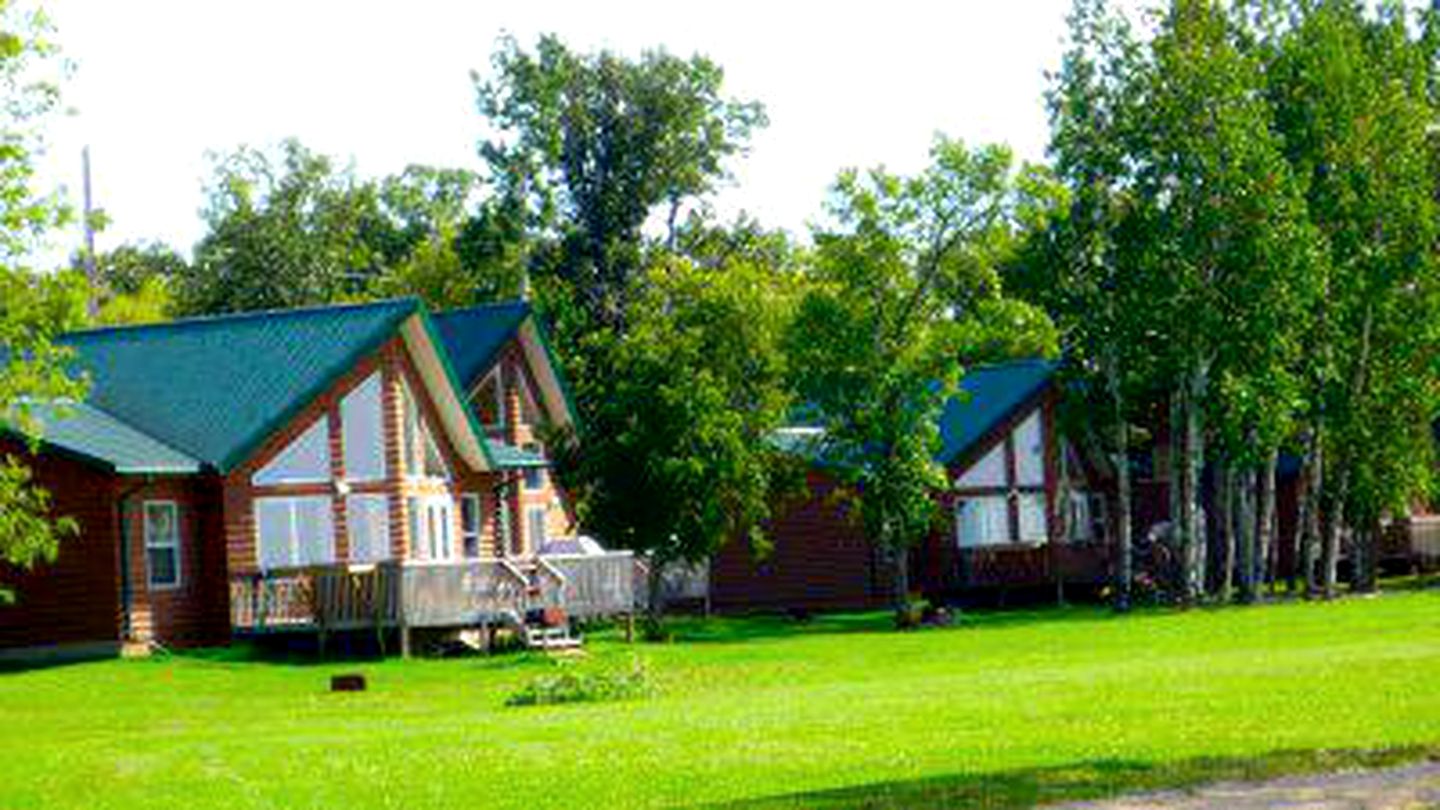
(999, 711)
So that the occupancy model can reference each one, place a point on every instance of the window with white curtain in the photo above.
(162, 544)
(1032, 517)
(535, 524)
(367, 520)
(1030, 452)
(431, 519)
(362, 431)
(305, 460)
(294, 531)
(982, 521)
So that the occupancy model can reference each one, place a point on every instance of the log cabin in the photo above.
(327, 469)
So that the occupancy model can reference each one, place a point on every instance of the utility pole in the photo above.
(92, 304)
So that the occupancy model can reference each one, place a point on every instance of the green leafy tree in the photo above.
(1353, 92)
(677, 456)
(34, 308)
(593, 146)
(133, 283)
(876, 346)
(284, 230)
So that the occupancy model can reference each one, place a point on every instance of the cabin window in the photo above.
(362, 432)
(989, 471)
(431, 519)
(489, 402)
(470, 524)
(982, 521)
(1030, 452)
(422, 454)
(162, 544)
(293, 532)
(1033, 524)
(305, 460)
(367, 521)
(535, 524)
(534, 476)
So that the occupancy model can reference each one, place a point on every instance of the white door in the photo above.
(431, 527)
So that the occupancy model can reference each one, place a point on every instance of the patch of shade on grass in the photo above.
(1001, 710)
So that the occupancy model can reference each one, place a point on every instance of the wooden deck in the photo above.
(413, 594)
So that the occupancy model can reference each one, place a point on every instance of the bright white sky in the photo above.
(158, 83)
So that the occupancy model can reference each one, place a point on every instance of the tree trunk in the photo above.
(1225, 494)
(1194, 464)
(1247, 530)
(902, 586)
(1334, 526)
(1176, 491)
(1266, 526)
(1367, 557)
(1124, 569)
(655, 604)
(1314, 486)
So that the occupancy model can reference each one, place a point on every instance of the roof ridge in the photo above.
(147, 434)
(1016, 361)
(231, 317)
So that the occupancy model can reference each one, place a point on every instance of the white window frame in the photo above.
(173, 545)
(536, 531)
(417, 440)
(266, 476)
(471, 501)
(293, 540)
(352, 443)
(429, 512)
(352, 502)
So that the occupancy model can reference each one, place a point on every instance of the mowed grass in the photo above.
(1001, 710)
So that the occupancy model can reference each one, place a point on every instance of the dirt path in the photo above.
(1407, 786)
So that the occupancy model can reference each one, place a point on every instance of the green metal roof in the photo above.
(508, 456)
(82, 430)
(473, 336)
(215, 388)
(988, 395)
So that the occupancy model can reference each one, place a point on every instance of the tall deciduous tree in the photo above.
(285, 230)
(34, 308)
(596, 145)
(896, 281)
(1353, 90)
(677, 457)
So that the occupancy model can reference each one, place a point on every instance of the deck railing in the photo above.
(430, 594)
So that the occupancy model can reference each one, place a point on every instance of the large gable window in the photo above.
(982, 521)
(367, 521)
(1030, 452)
(422, 454)
(362, 432)
(305, 460)
(989, 471)
(292, 532)
(162, 544)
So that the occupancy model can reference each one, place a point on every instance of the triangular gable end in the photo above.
(457, 419)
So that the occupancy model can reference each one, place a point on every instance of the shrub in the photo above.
(570, 684)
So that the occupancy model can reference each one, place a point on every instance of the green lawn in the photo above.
(838, 712)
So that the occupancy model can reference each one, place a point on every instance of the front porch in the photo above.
(410, 594)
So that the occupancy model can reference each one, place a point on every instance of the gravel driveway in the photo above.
(1407, 786)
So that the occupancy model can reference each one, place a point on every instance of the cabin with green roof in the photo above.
(361, 467)
(1025, 510)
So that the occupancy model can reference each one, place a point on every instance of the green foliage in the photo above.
(572, 682)
(34, 308)
(676, 456)
(285, 230)
(593, 145)
(903, 284)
